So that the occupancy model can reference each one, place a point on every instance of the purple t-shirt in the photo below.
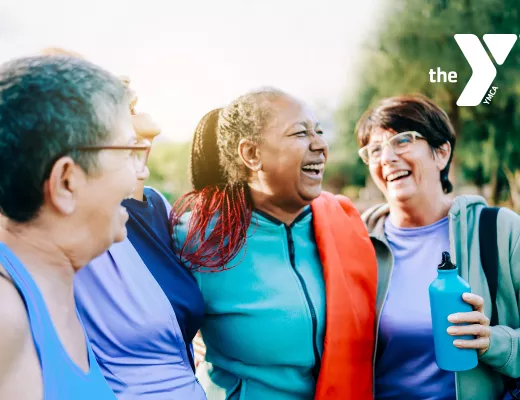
(405, 364)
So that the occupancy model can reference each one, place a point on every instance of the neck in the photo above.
(282, 211)
(413, 213)
(49, 264)
(139, 191)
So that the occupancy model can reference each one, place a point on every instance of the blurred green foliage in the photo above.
(409, 38)
(169, 164)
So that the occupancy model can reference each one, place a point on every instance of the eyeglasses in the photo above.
(400, 144)
(138, 152)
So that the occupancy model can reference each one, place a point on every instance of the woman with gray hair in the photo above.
(286, 270)
(68, 157)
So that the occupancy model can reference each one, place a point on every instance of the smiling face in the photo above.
(418, 169)
(291, 155)
(413, 174)
(85, 207)
(99, 197)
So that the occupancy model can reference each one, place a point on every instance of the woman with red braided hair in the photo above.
(290, 313)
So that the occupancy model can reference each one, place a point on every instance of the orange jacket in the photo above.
(350, 272)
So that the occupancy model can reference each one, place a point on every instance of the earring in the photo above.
(257, 167)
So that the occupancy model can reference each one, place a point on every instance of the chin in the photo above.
(400, 195)
(310, 195)
(121, 235)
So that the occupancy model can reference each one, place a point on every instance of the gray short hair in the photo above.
(49, 105)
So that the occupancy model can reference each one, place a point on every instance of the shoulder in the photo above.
(330, 202)
(346, 204)
(508, 228)
(509, 217)
(508, 222)
(184, 222)
(151, 192)
(375, 212)
(374, 218)
(180, 230)
(336, 209)
(156, 197)
(467, 206)
(14, 325)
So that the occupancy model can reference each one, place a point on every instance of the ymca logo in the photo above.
(483, 69)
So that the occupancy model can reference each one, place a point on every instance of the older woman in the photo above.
(408, 144)
(289, 305)
(68, 158)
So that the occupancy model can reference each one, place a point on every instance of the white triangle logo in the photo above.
(500, 45)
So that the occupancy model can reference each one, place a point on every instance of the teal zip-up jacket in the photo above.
(264, 320)
(485, 382)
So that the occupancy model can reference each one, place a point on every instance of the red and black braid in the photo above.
(220, 211)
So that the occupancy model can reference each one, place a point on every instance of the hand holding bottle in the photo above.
(447, 303)
(478, 325)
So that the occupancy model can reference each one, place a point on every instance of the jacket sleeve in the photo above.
(503, 354)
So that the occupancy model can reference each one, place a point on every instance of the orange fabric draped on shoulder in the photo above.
(350, 272)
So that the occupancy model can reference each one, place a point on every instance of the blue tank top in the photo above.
(62, 378)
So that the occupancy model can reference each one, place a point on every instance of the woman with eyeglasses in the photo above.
(66, 167)
(407, 143)
(141, 307)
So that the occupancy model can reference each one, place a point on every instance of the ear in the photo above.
(250, 154)
(62, 185)
(443, 154)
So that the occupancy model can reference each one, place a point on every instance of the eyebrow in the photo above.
(375, 141)
(305, 124)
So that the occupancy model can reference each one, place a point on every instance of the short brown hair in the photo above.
(410, 113)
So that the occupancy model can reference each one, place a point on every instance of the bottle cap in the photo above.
(446, 263)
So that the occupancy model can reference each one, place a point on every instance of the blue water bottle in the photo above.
(445, 299)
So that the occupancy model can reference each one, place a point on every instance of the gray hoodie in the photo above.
(485, 382)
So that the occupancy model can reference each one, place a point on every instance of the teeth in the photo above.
(313, 167)
(396, 175)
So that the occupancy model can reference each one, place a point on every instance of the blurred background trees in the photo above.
(410, 38)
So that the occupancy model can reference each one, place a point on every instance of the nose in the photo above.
(388, 155)
(319, 144)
